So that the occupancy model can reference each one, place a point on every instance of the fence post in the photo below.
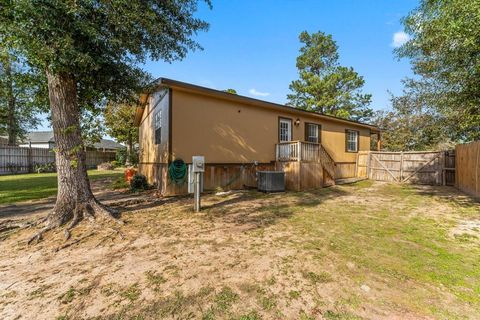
(29, 160)
(442, 168)
(401, 167)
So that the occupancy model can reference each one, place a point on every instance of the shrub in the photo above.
(116, 163)
(121, 156)
(105, 166)
(139, 182)
(13, 167)
(46, 167)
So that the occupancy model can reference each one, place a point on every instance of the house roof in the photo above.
(170, 83)
(107, 144)
(39, 137)
(47, 136)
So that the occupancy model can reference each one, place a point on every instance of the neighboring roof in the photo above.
(165, 82)
(107, 144)
(39, 137)
(47, 136)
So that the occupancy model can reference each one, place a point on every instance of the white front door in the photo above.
(285, 130)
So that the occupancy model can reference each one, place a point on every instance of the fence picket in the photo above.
(15, 160)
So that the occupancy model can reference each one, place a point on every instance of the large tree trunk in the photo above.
(75, 199)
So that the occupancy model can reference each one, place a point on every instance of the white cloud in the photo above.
(399, 38)
(258, 93)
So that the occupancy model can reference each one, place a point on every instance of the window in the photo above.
(285, 130)
(312, 132)
(158, 126)
(351, 140)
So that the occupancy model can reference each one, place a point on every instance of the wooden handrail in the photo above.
(297, 141)
(327, 162)
(305, 151)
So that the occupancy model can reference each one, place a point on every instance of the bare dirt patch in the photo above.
(346, 252)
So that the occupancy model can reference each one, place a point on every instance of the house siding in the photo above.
(231, 132)
(149, 151)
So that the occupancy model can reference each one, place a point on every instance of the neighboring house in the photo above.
(106, 145)
(240, 135)
(38, 139)
(46, 140)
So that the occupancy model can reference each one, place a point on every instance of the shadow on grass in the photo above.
(257, 210)
(447, 193)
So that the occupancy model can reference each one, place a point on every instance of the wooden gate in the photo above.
(434, 168)
(468, 172)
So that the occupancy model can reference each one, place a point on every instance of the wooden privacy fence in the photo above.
(434, 168)
(14, 160)
(468, 168)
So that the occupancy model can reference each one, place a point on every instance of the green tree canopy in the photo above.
(232, 91)
(444, 50)
(91, 52)
(23, 96)
(324, 85)
(412, 125)
(119, 122)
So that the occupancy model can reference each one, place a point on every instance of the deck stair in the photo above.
(327, 162)
(303, 151)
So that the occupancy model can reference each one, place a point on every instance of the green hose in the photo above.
(177, 171)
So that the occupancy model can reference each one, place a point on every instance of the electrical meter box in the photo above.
(191, 179)
(198, 164)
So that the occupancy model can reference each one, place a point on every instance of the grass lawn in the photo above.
(362, 251)
(32, 186)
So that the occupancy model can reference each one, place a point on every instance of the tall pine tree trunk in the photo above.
(75, 199)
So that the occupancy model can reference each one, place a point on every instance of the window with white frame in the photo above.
(351, 140)
(157, 123)
(285, 130)
(312, 132)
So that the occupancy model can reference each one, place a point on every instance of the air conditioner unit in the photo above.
(271, 181)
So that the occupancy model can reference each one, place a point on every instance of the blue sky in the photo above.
(252, 46)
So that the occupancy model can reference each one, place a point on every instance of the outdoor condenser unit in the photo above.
(271, 181)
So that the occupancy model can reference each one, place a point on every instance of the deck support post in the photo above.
(299, 150)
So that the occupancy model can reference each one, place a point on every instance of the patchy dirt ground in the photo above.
(366, 250)
(100, 187)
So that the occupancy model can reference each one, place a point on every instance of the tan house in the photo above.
(239, 136)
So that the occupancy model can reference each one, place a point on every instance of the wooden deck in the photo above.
(307, 165)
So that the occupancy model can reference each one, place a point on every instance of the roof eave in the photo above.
(252, 101)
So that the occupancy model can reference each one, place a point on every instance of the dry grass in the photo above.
(367, 250)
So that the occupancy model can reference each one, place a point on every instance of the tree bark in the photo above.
(75, 199)
(128, 160)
